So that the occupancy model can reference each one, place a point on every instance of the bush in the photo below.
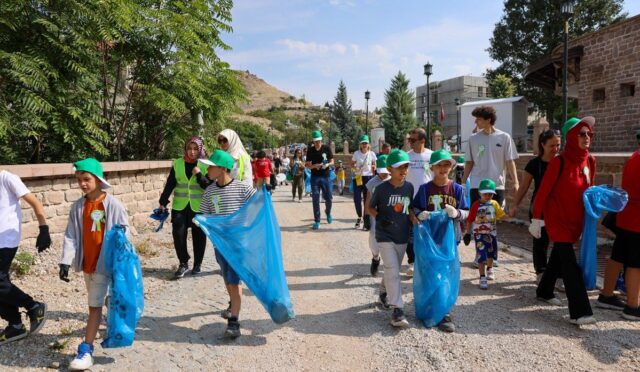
(22, 263)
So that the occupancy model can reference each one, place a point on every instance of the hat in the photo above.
(397, 158)
(381, 164)
(364, 139)
(441, 155)
(316, 135)
(219, 158)
(339, 161)
(91, 165)
(487, 186)
(571, 123)
(460, 159)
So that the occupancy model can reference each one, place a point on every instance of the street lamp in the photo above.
(458, 139)
(367, 95)
(567, 12)
(428, 72)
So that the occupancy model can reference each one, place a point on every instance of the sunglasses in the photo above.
(412, 140)
(222, 140)
(585, 134)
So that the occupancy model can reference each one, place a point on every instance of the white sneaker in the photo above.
(483, 282)
(560, 285)
(490, 274)
(409, 271)
(584, 320)
(554, 301)
(83, 359)
(476, 264)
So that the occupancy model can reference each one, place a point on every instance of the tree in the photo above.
(501, 86)
(342, 116)
(531, 29)
(398, 112)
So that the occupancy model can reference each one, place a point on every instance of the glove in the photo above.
(325, 165)
(451, 211)
(424, 215)
(44, 239)
(466, 239)
(535, 228)
(64, 272)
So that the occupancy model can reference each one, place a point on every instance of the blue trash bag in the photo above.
(332, 175)
(126, 297)
(249, 239)
(468, 193)
(436, 276)
(597, 199)
(307, 180)
(351, 183)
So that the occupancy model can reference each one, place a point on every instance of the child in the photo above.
(11, 297)
(91, 216)
(390, 205)
(441, 193)
(340, 177)
(383, 175)
(263, 170)
(223, 197)
(483, 216)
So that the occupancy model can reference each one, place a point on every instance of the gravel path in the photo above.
(338, 326)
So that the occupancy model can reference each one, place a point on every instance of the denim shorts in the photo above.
(228, 274)
(486, 247)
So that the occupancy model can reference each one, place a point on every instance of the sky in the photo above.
(305, 47)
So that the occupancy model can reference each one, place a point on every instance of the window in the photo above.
(627, 90)
(598, 95)
(424, 100)
(479, 91)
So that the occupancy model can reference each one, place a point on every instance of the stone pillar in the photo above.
(539, 126)
(436, 140)
(332, 146)
(345, 147)
(406, 146)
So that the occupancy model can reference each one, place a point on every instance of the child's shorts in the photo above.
(486, 247)
(228, 274)
(97, 288)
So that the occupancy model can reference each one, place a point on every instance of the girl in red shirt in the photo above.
(263, 169)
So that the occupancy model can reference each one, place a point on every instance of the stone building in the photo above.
(604, 70)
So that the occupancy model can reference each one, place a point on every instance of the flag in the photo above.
(441, 112)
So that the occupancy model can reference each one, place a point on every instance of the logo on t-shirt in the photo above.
(399, 203)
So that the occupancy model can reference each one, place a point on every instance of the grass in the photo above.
(145, 250)
(22, 263)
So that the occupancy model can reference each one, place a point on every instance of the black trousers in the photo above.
(563, 262)
(540, 247)
(11, 297)
(181, 221)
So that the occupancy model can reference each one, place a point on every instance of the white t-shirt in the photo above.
(285, 162)
(11, 190)
(364, 162)
(419, 171)
(489, 153)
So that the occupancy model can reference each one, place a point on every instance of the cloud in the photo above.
(342, 3)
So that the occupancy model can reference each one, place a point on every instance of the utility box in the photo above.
(512, 116)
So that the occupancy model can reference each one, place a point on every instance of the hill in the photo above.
(263, 96)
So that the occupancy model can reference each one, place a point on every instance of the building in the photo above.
(604, 69)
(466, 88)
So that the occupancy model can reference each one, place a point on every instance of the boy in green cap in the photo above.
(383, 175)
(91, 216)
(319, 159)
(223, 197)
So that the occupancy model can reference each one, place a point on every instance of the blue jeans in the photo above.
(320, 183)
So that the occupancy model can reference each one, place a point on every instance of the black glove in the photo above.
(44, 239)
(466, 239)
(64, 272)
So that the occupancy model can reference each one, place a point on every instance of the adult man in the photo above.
(319, 159)
(385, 149)
(418, 174)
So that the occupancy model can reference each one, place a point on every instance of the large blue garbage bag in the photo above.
(249, 239)
(307, 180)
(468, 193)
(126, 297)
(351, 183)
(332, 175)
(597, 199)
(436, 277)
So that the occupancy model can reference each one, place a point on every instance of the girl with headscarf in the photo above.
(560, 198)
(229, 141)
(187, 183)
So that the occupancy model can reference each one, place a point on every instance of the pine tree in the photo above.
(342, 117)
(501, 86)
(398, 112)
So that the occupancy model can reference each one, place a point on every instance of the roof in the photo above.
(496, 101)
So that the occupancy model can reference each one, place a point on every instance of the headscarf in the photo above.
(572, 150)
(236, 149)
(198, 141)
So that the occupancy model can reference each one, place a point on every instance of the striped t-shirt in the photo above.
(224, 200)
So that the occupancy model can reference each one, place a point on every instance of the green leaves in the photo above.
(398, 112)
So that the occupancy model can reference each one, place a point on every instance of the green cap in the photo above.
(91, 165)
(441, 155)
(381, 164)
(487, 186)
(460, 159)
(397, 158)
(316, 135)
(364, 139)
(219, 158)
(571, 123)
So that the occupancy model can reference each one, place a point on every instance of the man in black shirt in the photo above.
(319, 159)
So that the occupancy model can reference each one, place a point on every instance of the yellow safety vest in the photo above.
(241, 163)
(187, 191)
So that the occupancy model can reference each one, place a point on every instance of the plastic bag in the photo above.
(126, 296)
(332, 175)
(351, 183)
(436, 277)
(307, 180)
(596, 200)
(249, 239)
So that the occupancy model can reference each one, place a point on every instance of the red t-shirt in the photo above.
(93, 220)
(263, 168)
(629, 217)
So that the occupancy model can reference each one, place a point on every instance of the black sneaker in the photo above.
(610, 302)
(37, 317)
(630, 313)
(446, 324)
(382, 300)
(358, 223)
(196, 270)
(182, 269)
(374, 266)
(233, 328)
(398, 319)
(12, 333)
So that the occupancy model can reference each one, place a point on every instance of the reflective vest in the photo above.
(241, 164)
(187, 191)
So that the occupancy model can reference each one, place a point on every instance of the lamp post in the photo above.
(567, 12)
(458, 129)
(367, 95)
(428, 72)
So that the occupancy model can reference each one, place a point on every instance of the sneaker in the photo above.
(398, 319)
(226, 314)
(11, 333)
(490, 274)
(329, 218)
(374, 266)
(196, 270)
(182, 269)
(630, 313)
(84, 358)
(358, 223)
(583, 320)
(476, 264)
(316, 226)
(299, 200)
(610, 302)
(233, 328)
(37, 317)
(483, 282)
(560, 286)
(446, 324)
(551, 301)
(409, 271)
(495, 263)
(382, 300)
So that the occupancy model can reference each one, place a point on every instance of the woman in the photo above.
(560, 198)
(297, 171)
(363, 164)
(187, 183)
(548, 148)
(263, 169)
(229, 141)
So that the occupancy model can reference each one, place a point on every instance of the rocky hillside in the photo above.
(263, 96)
